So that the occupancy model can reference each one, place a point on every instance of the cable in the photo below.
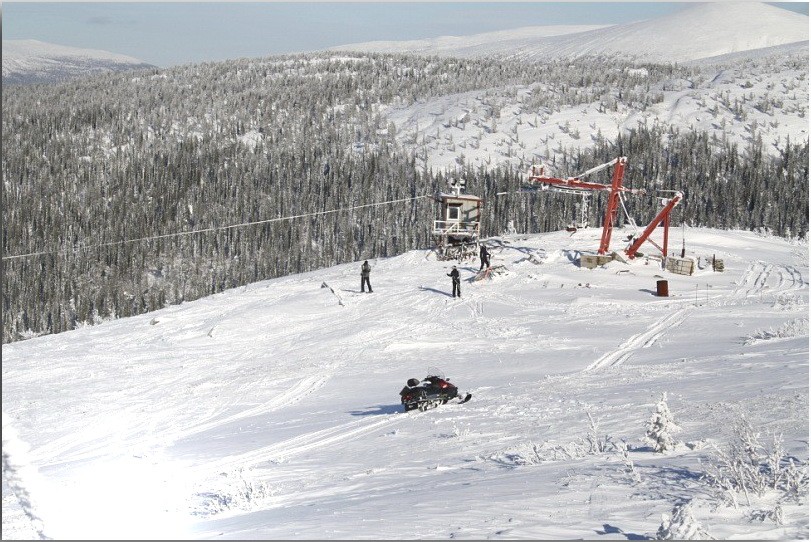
(628, 216)
(178, 234)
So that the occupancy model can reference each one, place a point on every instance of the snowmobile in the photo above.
(430, 392)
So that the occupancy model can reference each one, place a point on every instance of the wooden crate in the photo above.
(680, 266)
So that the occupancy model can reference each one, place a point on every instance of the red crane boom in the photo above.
(615, 189)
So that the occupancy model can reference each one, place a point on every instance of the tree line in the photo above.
(119, 191)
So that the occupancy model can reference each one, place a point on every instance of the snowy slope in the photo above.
(272, 412)
(747, 56)
(483, 44)
(724, 97)
(695, 32)
(32, 61)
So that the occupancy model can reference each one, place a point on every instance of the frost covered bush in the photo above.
(752, 469)
(531, 453)
(789, 301)
(623, 449)
(234, 492)
(775, 515)
(528, 453)
(661, 426)
(597, 443)
(681, 525)
(797, 327)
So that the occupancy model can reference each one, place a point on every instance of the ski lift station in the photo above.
(460, 218)
(458, 229)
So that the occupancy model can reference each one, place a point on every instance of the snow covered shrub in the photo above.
(457, 432)
(750, 468)
(788, 301)
(531, 453)
(592, 444)
(661, 426)
(597, 444)
(528, 453)
(797, 327)
(681, 525)
(234, 492)
(21, 477)
(623, 450)
(775, 515)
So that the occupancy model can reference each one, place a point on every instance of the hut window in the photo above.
(453, 211)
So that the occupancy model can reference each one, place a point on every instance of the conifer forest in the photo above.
(126, 193)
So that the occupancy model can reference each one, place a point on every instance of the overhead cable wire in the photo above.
(206, 230)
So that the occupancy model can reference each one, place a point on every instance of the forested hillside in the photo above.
(125, 193)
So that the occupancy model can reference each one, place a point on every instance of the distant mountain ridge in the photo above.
(696, 32)
(33, 61)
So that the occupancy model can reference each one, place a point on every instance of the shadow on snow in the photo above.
(610, 529)
(377, 410)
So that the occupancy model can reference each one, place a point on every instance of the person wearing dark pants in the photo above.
(454, 275)
(484, 256)
(365, 269)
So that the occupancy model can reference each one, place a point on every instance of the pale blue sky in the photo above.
(172, 33)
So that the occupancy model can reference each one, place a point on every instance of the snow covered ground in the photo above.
(697, 30)
(271, 411)
(762, 96)
(752, 85)
(34, 61)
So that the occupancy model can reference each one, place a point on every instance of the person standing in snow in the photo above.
(365, 269)
(484, 256)
(454, 275)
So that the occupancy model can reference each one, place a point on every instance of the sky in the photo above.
(173, 33)
(272, 411)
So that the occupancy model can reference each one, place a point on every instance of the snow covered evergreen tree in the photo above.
(661, 426)
(681, 525)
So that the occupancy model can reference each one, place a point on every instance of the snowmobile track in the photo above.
(59, 448)
(646, 339)
(301, 444)
(760, 277)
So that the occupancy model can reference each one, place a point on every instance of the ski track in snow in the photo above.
(366, 329)
(645, 339)
(292, 395)
(60, 447)
(760, 277)
(281, 451)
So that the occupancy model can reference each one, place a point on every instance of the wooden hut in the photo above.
(460, 217)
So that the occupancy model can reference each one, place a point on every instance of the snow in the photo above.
(750, 53)
(41, 61)
(251, 138)
(485, 43)
(271, 411)
(449, 130)
(698, 30)
(21, 53)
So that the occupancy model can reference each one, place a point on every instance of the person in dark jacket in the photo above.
(365, 269)
(484, 256)
(454, 275)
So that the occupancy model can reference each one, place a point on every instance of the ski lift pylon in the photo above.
(616, 191)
